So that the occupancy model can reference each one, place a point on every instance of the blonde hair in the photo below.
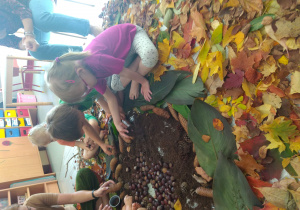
(63, 70)
(39, 136)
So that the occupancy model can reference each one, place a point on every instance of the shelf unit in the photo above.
(12, 193)
(20, 160)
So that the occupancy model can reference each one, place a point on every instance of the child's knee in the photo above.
(150, 57)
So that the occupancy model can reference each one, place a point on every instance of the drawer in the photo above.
(10, 113)
(24, 131)
(22, 113)
(1, 113)
(8, 122)
(2, 133)
(27, 122)
(12, 132)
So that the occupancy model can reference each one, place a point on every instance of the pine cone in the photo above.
(183, 122)
(173, 112)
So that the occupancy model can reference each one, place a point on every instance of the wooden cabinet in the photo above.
(11, 194)
(19, 158)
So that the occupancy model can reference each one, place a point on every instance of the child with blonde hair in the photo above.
(74, 75)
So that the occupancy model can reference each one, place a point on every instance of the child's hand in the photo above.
(103, 133)
(128, 200)
(107, 207)
(107, 149)
(145, 90)
(122, 129)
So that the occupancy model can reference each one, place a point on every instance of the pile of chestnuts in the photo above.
(157, 176)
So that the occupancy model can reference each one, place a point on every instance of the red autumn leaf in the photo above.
(295, 118)
(257, 58)
(234, 80)
(276, 90)
(254, 183)
(218, 125)
(252, 145)
(184, 52)
(187, 30)
(242, 61)
(234, 93)
(253, 76)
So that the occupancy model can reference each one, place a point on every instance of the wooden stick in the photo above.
(30, 104)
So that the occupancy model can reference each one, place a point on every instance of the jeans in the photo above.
(44, 21)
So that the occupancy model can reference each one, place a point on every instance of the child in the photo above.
(74, 75)
(39, 136)
(67, 123)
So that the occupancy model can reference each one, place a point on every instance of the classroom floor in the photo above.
(59, 156)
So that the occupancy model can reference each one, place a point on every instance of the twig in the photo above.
(68, 163)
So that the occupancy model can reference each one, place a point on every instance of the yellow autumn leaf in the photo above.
(224, 108)
(195, 74)
(177, 205)
(283, 60)
(264, 85)
(178, 40)
(295, 144)
(274, 143)
(239, 40)
(249, 88)
(272, 99)
(204, 73)
(180, 63)
(278, 197)
(291, 43)
(233, 3)
(158, 71)
(295, 162)
(164, 50)
(228, 37)
(216, 66)
(267, 45)
(296, 196)
(295, 84)
(268, 69)
(203, 52)
(264, 110)
(195, 49)
(285, 162)
(256, 114)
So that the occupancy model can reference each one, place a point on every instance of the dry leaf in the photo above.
(276, 196)
(203, 174)
(242, 62)
(295, 82)
(212, 83)
(234, 80)
(205, 138)
(263, 152)
(248, 164)
(252, 5)
(241, 133)
(218, 125)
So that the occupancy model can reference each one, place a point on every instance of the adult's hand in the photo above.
(30, 43)
(103, 189)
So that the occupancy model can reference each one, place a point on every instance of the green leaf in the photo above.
(217, 35)
(168, 16)
(185, 92)
(182, 109)
(231, 190)
(163, 35)
(256, 23)
(201, 119)
(159, 91)
(117, 19)
(204, 52)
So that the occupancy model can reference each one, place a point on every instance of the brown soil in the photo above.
(160, 143)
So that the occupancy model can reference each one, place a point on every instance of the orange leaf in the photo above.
(218, 125)
(206, 138)
(276, 90)
(158, 70)
(242, 61)
(254, 183)
(248, 164)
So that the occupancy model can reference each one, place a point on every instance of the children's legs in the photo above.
(146, 60)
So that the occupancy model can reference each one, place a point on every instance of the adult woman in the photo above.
(85, 182)
(37, 19)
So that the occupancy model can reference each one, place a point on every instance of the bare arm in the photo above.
(114, 108)
(104, 105)
(83, 196)
(132, 75)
